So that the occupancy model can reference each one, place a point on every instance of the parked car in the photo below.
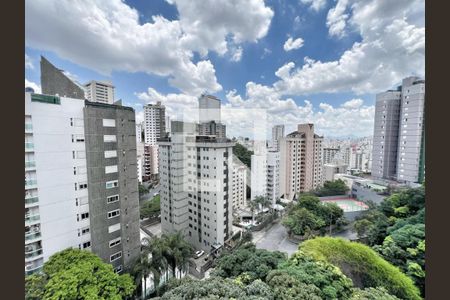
(199, 253)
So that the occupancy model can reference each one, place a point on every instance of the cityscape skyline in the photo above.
(339, 105)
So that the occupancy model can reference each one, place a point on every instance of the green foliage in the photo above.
(331, 282)
(287, 287)
(142, 189)
(405, 203)
(362, 264)
(332, 188)
(310, 215)
(243, 154)
(151, 208)
(361, 227)
(218, 288)
(256, 263)
(78, 274)
(35, 286)
(378, 293)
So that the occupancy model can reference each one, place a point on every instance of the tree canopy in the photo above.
(332, 188)
(255, 263)
(362, 264)
(151, 208)
(78, 274)
(243, 154)
(310, 215)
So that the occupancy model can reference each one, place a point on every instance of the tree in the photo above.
(158, 265)
(263, 202)
(243, 154)
(362, 264)
(331, 283)
(78, 274)
(361, 227)
(253, 205)
(218, 288)
(256, 263)
(151, 208)
(178, 252)
(378, 293)
(287, 287)
(142, 189)
(141, 271)
(332, 188)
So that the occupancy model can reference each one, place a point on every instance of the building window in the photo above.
(87, 245)
(84, 230)
(109, 123)
(84, 216)
(115, 256)
(113, 213)
(110, 169)
(114, 242)
(118, 269)
(110, 153)
(114, 228)
(82, 186)
(109, 138)
(112, 184)
(112, 199)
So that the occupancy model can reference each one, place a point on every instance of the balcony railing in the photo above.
(30, 183)
(32, 236)
(34, 266)
(30, 164)
(33, 253)
(29, 146)
(28, 127)
(31, 200)
(31, 219)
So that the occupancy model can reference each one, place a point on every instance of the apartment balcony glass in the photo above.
(30, 165)
(34, 266)
(32, 236)
(34, 253)
(29, 147)
(30, 183)
(30, 219)
(31, 200)
(28, 127)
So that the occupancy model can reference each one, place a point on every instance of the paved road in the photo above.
(148, 196)
(275, 238)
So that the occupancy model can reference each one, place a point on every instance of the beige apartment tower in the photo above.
(300, 161)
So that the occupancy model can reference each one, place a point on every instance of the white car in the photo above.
(199, 253)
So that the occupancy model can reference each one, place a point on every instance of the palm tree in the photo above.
(263, 201)
(253, 205)
(154, 249)
(141, 271)
(178, 252)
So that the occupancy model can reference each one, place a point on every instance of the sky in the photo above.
(319, 61)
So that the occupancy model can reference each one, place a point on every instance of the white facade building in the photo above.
(259, 170)
(273, 176)
(239, 194)
(99, 91)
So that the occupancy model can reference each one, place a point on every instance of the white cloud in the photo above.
(106, 36)
(266, 52)
(292, 44)
(315, 5)
(208, 23)
(350, 118)
(36, 87)
(390, 49)
(237, 54)
(28, 63)
(337, 18)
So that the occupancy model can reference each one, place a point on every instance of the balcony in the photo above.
(29, 147)
(31, 219)
(32, 236)
(28, 128)
(30, 165)
(30, 184)
(31, 200)
(33, 253)
(34, 266)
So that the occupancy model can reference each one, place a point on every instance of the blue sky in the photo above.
(350, 50)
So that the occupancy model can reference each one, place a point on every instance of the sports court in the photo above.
(348, 204)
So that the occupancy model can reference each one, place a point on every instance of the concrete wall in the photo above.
(125, 132)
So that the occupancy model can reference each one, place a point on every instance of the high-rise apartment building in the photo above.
(329, 154)
(196, 186)
(411, 141)
(277, 134)
(209, 117)
(301, 161)
(80, 180)
(329, 170)
(99, 91)
(259, 170)
(154, 128)
(273, 176)
(239, 184)
(398, 141)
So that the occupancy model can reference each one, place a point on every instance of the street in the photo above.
(274, 239)
(148, 196)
